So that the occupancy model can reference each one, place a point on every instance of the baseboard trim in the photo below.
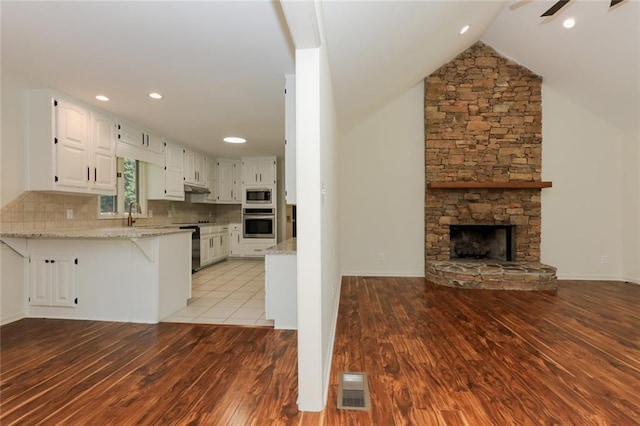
(403, 274)
(332, 338)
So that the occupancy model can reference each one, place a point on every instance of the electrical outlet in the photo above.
(381, 256)
(150, 213)
(69, 214)
(169, 214)
(604, 259)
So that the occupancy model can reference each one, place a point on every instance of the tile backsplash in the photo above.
(47, 211)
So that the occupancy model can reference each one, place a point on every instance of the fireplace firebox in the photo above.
(483, 242)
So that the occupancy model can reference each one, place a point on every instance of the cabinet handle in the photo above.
(147, 140)
(142, 139)
(88, 173)
(95, 174)
(238, 238)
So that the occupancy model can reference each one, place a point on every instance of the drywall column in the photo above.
(310, 392)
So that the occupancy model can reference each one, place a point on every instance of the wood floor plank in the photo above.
(433, 355)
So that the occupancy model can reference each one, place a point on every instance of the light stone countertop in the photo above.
(285, 247)
(97, 233)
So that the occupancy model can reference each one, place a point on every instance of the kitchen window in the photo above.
(130, 188)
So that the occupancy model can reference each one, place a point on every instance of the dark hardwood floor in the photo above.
(433, 355)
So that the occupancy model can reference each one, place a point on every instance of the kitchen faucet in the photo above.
(130, 219)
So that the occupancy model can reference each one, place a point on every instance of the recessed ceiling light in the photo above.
(464, 29)
(234, 139)
(102, 98)
(155, 95)
(569, 23)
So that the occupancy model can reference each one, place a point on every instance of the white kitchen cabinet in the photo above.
(194, 167)
(258, 171)
(134, 142)
(235, 240)
(52, 281)
(256, 247)
(211, 183)
(167, 182)
(229, 189)
(214, 244)
(290, 139)
(70, 147)
(103, 153)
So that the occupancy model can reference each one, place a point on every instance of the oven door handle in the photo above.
(251, 216)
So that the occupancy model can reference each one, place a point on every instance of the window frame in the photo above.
(122, 210)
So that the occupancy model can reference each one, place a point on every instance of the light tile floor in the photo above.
(229, 292)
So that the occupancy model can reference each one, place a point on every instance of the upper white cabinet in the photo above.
(229, 188)
(135, 142)
(194, 168)
(103, 155)
(258, 171)
(70, 147)
(167, 182)
(211, 183)
(290, 139)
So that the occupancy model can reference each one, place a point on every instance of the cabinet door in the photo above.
(103, 153)
(225, 180)
(236, 189)
(72, 135)
(189, 167)
(173, 169)
(63, 282)
(200, 163)
(266, 169)
(40, 281)
(214, 247)
(249, 171)
(154, 143)
(131, 135)
(205, 250)
(224, 245)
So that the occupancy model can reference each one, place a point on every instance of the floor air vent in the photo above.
(353, 391)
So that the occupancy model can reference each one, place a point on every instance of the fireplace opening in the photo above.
(483, 242)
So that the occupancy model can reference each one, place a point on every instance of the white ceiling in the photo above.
(221, 64)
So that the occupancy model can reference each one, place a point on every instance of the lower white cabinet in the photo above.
(52, 281)
(214, 244)
(235, 240)
(256, 247)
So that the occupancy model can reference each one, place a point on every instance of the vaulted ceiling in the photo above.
(221, 64)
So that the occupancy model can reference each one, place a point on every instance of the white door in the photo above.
(72, 134)
(266, 170)
(225, 180)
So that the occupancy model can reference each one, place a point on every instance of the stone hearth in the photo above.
(490, 275)
(483, 164)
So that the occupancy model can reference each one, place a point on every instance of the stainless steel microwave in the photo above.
(258, 196)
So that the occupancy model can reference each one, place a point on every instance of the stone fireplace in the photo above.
(483, 160)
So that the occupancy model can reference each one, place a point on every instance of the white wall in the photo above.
(382, 190)
(12, 184)
(631, 210)
(583, 214)
(12, 142)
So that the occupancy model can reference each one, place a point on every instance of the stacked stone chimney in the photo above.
(483, 123)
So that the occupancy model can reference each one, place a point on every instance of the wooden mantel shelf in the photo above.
(489, 185)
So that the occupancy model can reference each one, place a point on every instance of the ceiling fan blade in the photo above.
(614, 2)
(556, 7)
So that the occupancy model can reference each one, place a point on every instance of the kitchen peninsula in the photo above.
(127, 274)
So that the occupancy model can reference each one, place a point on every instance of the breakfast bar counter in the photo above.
(130, 274)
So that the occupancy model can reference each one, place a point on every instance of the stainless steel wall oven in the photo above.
(258, 223)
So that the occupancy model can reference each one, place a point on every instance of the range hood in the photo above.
(191, 189)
